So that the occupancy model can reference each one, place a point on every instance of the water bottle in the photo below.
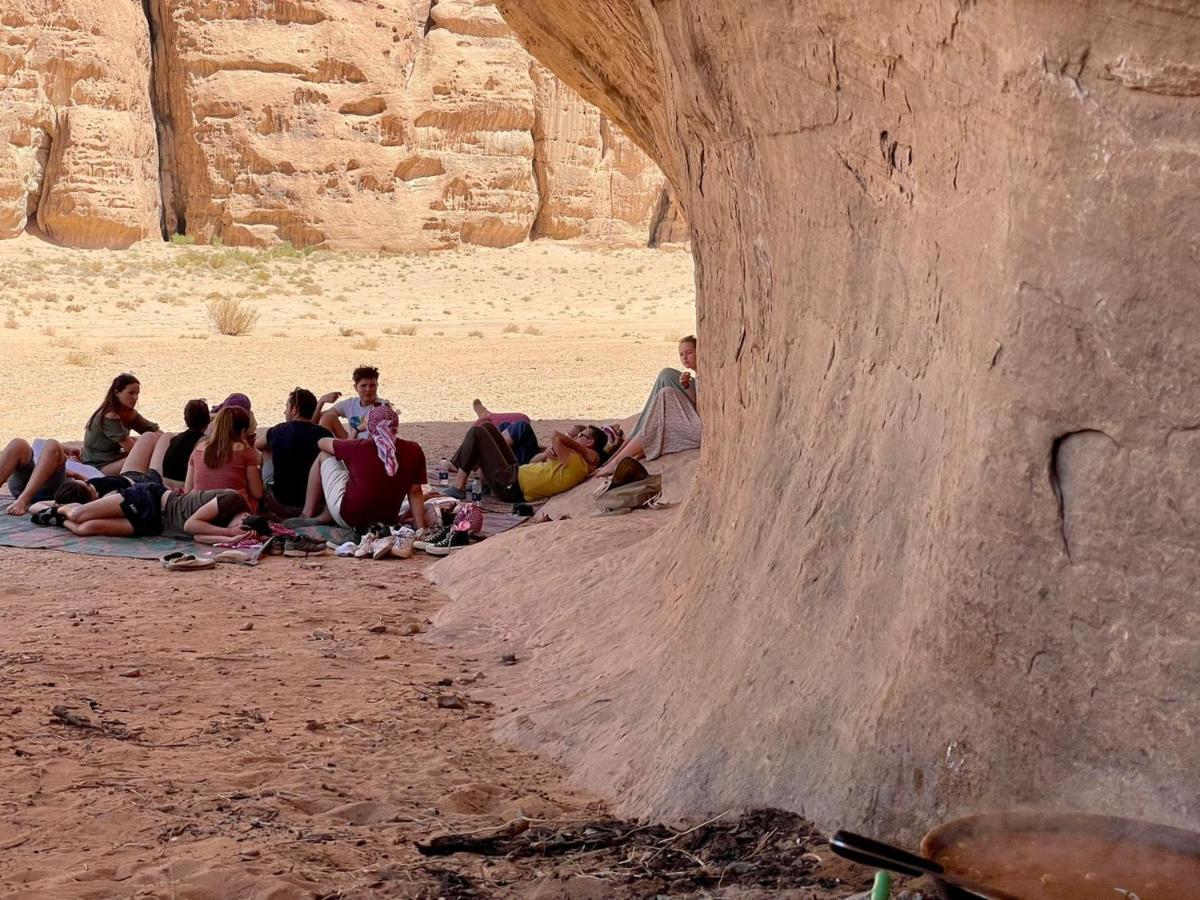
(443, 472)
(476, 493)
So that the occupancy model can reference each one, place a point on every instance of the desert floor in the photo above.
(556, 330)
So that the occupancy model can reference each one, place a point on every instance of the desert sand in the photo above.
(558, 330)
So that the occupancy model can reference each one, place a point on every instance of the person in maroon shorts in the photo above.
(362, 482)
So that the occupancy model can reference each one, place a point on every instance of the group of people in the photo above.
(332, 461)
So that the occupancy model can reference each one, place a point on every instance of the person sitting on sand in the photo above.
(565, 463)
(169, 453)
(150, 509)
(670, 423)
(241, 401)
(106, 439)
(353, 409)
(516, 428)
(226, 459)
(293, 448)
(683, 382)
(363, 482)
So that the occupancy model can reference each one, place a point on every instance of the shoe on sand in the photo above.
(403, 548)
(382, 546)
(304, 546)
(454, 540)
(179, 561)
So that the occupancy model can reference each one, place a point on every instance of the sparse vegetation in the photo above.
(367, 343)
(232, 316)
(182, 240)
(77, 358)
(532, 329)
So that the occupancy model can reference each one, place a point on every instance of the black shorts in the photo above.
(142, 506)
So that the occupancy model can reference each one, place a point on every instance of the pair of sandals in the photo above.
(179, 561)
(48, 516)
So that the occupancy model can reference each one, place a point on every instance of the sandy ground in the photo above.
(557, 330)
(273, 732)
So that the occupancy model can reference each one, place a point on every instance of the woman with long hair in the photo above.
(226, 459)
(106, 439)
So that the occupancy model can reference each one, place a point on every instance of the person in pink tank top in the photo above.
(227, 458)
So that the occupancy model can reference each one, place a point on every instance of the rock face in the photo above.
(943, 545)
(77, 146)
(403, 125)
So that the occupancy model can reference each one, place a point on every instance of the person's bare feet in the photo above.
(18, 508)
(480, 409)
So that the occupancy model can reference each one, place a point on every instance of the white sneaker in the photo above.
(403, 548)
(363, 550)
(382, 547)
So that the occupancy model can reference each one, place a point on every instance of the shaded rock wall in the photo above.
(407, 125)
(942, 550)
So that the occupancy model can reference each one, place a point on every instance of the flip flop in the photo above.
(178, 561)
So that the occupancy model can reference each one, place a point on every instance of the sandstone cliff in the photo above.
(403, 125)
(942, 547)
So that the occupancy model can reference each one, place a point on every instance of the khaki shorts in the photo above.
(334, 479)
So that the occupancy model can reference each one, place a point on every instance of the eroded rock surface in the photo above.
(77, 148)
(405, 125)
(941, 553)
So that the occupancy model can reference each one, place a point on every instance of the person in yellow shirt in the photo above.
(565, 463)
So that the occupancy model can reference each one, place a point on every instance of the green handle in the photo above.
(882, 888)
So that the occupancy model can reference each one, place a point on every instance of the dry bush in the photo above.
(532, 329)
(510, 328)
(64, 341)
(349, 332)
(408, 330)
(77, 358)
(108, 348)
(475, 334)
(367, 343)
(10, 322)
(307, 315)
(231, 316)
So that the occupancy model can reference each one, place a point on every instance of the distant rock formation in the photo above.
(404, 125)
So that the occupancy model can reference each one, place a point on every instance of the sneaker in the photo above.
(304, 546)
(363, 550)
(382, 546)
(48, 517)
(454, 540)
(435, 535)
(403, 548)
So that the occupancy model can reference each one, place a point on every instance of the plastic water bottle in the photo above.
(443, 472)
(476, 493)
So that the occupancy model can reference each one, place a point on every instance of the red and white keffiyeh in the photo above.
(382, 423)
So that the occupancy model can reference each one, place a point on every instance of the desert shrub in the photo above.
(74, 307)
(182, 240)
(77, 358)
(108, 348)
(349, 332)
(232, 316)
(475, 334)
(532, 329)
(367, 343)
(10, 322)
(409, 330)
(510, 328)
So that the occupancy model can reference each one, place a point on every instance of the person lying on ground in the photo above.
(106, 438)
(353, 409)
(682, 382)
(226, 459)
(516, 428)
(168, 453)
(566, 463)
(293, 449)
(357, 483)
(150, 509)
